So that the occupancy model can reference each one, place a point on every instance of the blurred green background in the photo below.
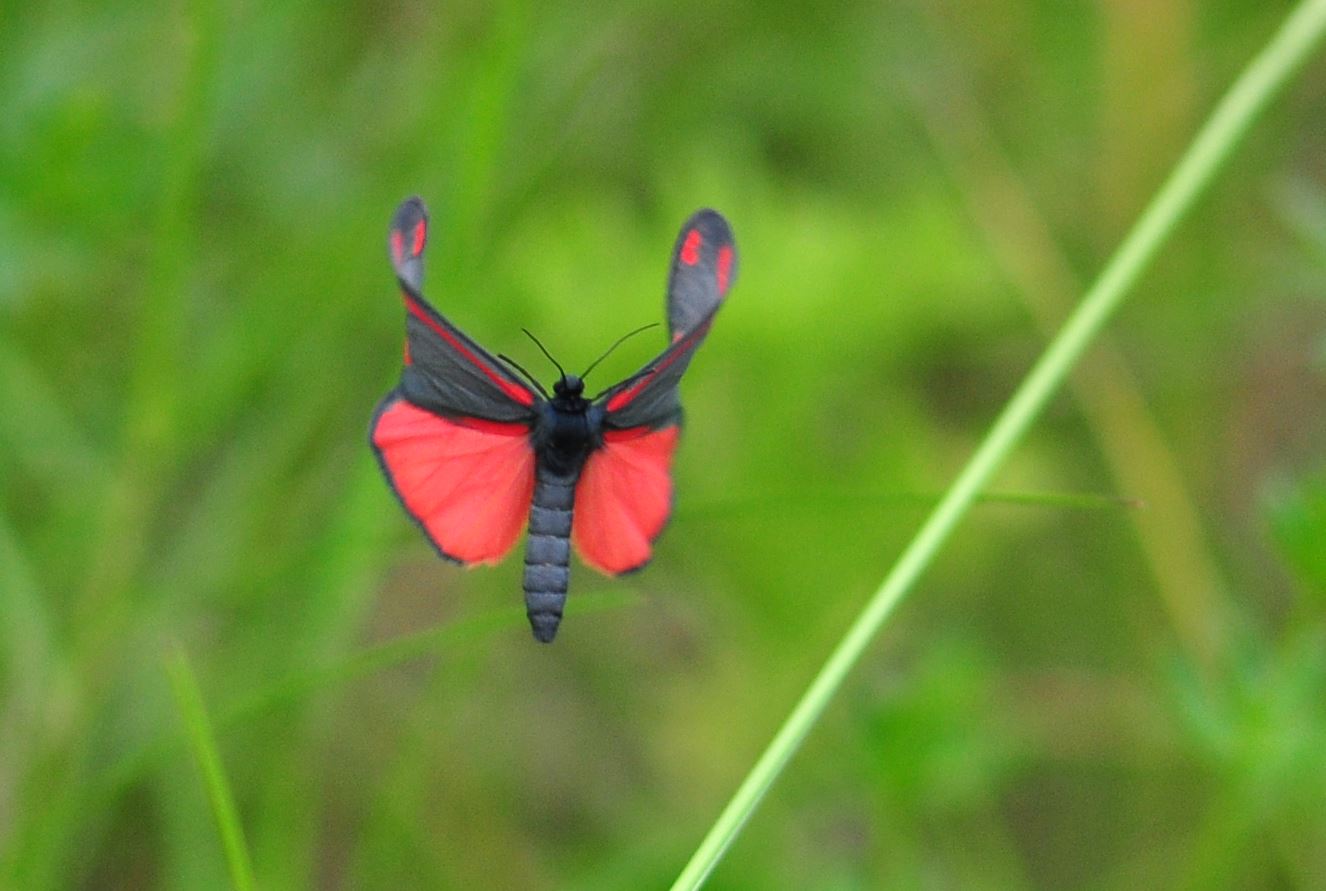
(197, 318)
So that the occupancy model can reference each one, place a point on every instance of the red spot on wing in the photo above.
(467, 482)
(624, 498)
(420, 232)
(406, 350)
(397, 245)
(724, 267)
(690, 248)
(515, 391)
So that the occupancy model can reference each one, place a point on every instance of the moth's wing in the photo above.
(704, 266)
(446, 372)
(624, 495)
(453, 439)
(624, 498)
(466, 482)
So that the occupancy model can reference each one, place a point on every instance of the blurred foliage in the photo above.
(197, 317)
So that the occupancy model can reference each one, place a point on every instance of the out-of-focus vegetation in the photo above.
(197, 317)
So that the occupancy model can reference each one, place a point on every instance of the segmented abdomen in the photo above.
(548, 550)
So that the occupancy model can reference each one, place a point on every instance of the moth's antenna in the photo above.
(545, 351)
(619, 342)
(529, 377)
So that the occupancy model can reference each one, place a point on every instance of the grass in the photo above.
(1261, 81)
(203, 742)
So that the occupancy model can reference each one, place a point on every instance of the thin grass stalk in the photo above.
(203, 742)
(1260, 81)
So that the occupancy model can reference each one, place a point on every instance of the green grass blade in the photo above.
(308, 682)
(201, 739)
(1268, 72)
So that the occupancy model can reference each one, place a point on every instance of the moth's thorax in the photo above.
(569, 427)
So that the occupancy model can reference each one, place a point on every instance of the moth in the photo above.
(476, 450)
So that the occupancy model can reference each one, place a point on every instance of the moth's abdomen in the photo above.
(548, 551)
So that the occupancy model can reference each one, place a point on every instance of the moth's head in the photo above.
(569, 385)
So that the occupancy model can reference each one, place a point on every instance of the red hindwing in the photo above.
(466, 482)
(624, 498)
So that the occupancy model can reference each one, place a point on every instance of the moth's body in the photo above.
(477, 455)
(567, 429)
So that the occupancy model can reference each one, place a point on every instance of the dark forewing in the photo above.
(704, 266)
(445, 371)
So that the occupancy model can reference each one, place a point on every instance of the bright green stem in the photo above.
(1260, 81)
(203, 740)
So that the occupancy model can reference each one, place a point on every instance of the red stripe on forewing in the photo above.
(690, 248)
(623, 498)
(510, 388)
(397, 245)
(623, 398)
(724, 267)
(467, 482)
